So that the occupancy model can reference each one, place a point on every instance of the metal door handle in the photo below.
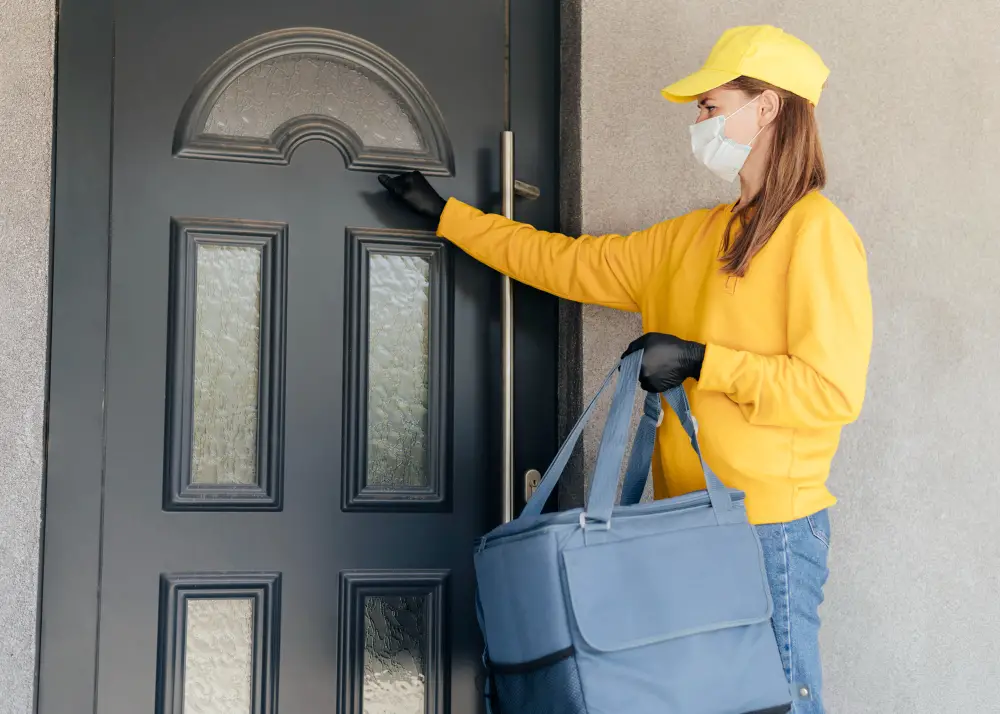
(510, 188)
(527, 191)
(507, 333)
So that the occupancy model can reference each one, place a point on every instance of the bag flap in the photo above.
(636, 592)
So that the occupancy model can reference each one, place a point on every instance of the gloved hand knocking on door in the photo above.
(666, 361)
(415, 191)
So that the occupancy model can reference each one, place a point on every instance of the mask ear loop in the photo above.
(750, 143)
(745, 106)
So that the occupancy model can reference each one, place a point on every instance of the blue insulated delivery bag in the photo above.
(654, 608)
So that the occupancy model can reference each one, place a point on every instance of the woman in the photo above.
(760, 308)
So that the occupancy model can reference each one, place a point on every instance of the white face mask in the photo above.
(720, 154)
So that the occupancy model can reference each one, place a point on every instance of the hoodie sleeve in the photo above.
(609, 270)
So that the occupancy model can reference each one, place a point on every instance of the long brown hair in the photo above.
(795, 167)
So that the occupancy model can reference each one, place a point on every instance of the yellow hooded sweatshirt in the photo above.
(787, 345)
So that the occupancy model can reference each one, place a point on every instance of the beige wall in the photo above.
(911, 126)
(26, 43)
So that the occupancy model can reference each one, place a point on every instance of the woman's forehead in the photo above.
(719, 94)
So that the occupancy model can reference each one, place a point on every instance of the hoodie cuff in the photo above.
(720, 369)
(454, 218)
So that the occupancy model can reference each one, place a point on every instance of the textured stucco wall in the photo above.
(909, 122)
(26, 45)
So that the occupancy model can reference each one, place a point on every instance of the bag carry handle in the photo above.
(641, 456)
(612, 449)
(611, 452)
(615, 438)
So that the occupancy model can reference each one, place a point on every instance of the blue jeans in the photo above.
(795, 556)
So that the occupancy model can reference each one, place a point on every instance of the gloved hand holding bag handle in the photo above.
(667, 361)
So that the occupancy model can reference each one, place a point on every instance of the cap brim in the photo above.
(692, 86)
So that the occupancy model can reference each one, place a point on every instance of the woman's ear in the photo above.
(768, 107)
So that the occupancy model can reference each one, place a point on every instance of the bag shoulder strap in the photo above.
(641, 458)
(555, 470)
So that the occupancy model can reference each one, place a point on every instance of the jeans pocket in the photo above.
(819, 525)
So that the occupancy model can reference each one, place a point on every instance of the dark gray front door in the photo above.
(299, 405)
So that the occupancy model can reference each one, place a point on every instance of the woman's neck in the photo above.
(752, 173)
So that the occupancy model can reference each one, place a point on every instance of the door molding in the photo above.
(386, 74)
(181, 493)
(68, 618)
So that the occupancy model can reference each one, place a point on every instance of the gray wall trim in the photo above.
(570, 358)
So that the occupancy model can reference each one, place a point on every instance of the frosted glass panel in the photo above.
(395, 655)
(268, 94)
(398, 336)
(226, 365)
(218, 656)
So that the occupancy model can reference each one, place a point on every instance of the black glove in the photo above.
(667, 360)
(414, 190)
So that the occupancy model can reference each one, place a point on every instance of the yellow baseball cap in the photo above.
(761, 52)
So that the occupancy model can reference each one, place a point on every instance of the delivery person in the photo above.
(760, 308)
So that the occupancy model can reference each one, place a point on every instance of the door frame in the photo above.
(69, 603)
